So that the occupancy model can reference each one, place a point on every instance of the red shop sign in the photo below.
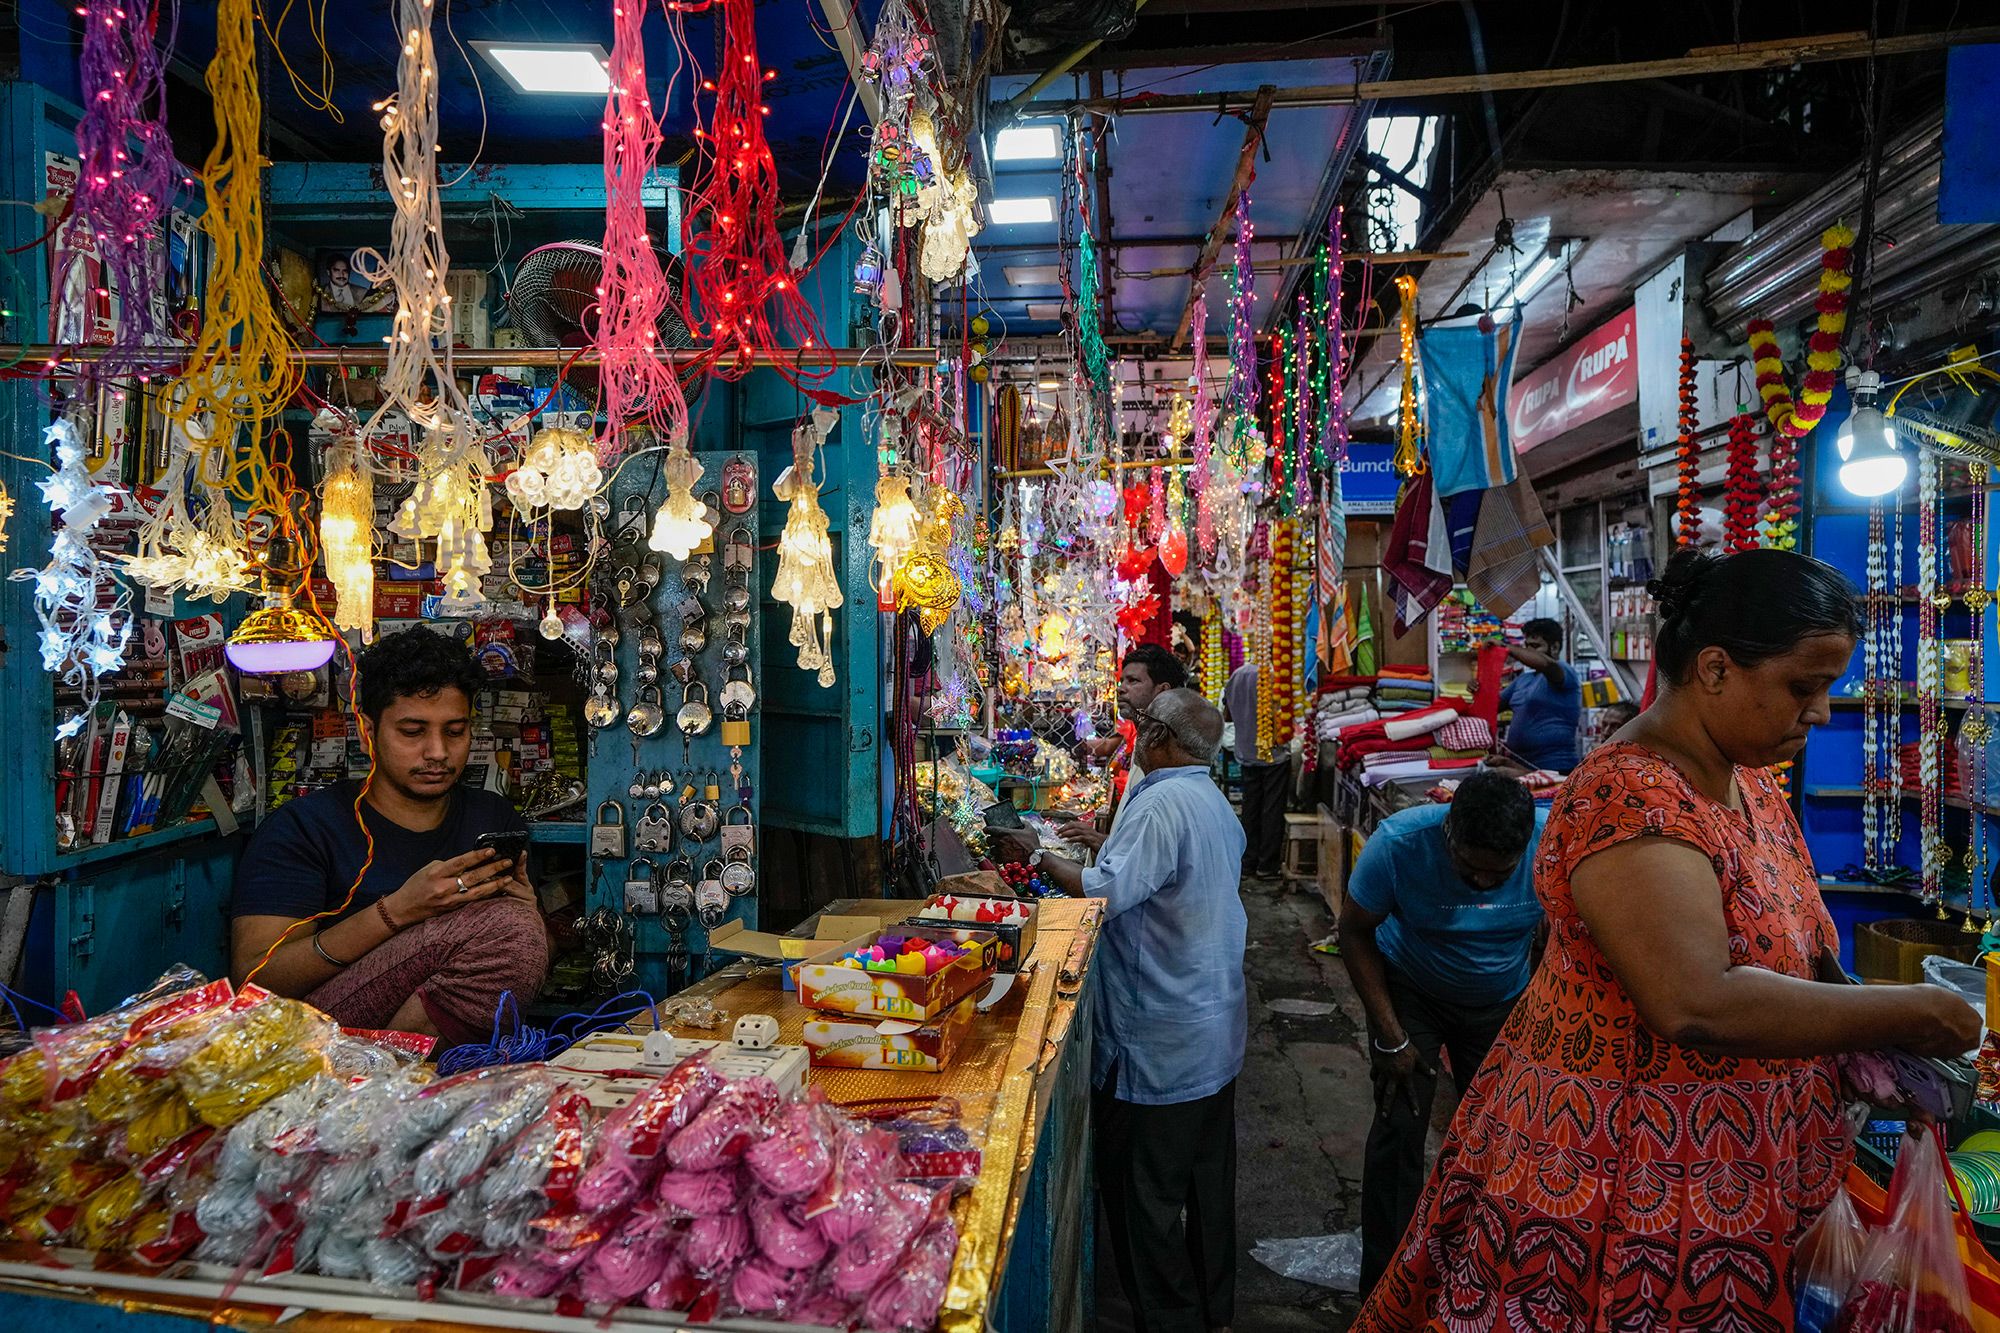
(1594, 375)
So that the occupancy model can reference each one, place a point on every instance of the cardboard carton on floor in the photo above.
(890, 1044)
(825, 984)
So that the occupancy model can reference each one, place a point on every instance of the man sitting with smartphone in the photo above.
(418, 926)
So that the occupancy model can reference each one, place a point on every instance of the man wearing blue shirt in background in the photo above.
(1439, 932)
(1171, 1021)
(1547, 700)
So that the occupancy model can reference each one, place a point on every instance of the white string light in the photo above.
(85, 613)
(806, 580)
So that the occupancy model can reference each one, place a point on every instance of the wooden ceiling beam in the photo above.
(1246, 168)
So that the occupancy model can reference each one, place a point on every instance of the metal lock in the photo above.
(677, 894)
(735, 726)
(741, 553)
(739, 841)
(607, 837)
(642, 891)
(655, 829)
(711, 787)
(711, 506)
(632, 520)
(711, 900)
(739, 878)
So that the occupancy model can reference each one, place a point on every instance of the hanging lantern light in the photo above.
(682, 522)
(346, 526)
(806, 580)
(893, 530)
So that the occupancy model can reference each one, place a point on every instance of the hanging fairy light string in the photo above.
(244, 367)
(744, 297)
(806, 579)
(1931, 604)
(1409, 419)
(84, 612)
(1743, 494)
(128, 175)
(1875, 577)
(1334, 362)
(633, 294)
(1242, 328)
(1201, 427)
(1977, 728)
(1687, 455)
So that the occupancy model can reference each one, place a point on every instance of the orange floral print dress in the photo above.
(1598, 1177)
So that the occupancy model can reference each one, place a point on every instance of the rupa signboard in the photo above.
(1595, 375)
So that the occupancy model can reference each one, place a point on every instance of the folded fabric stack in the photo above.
(1541, 783)
(1467, 740)
(1402, 747)
(1403, 689)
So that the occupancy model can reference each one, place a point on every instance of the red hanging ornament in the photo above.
(1174, 550)
(1687, 455)
(1743, 505)
(1137, 497)
(1132, 562)
(744, 297)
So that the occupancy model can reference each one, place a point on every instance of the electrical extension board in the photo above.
(611, 1068)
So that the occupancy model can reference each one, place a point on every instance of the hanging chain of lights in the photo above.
(1409, 419)
(1932, 601)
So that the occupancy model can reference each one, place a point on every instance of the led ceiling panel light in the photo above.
(1026, 143)
(1033, 275)
(1009, 212)
(555, 68)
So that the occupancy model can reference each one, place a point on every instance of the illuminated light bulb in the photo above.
(346, 536)
(551, 626)
(682, 521)
(279, 639)
(893, 529)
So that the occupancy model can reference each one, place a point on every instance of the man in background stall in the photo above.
(1439, 932)
(1171, 1022)
(1267, 778)
(1148, 672)
(433, 932)
(1546, 699)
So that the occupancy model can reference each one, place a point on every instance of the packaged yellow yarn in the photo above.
(252, 1056)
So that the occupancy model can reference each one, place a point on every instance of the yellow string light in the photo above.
(347, 534)
(244, 367)
(1409, 420)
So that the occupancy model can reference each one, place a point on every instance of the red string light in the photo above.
(744, 298)
(634, 293)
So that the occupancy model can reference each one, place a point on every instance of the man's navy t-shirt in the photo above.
(301, 859)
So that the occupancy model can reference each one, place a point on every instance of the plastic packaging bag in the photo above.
(1825, 1265)
(1325, 1261)
(1911, 1278)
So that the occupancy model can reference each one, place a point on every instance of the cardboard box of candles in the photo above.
(1011, 919)
(890, 1044)
(909, 972)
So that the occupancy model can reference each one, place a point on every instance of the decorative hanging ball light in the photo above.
(682, 522)
(559, 471)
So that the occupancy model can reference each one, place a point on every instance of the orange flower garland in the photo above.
(1284, 638)
(1687, 457)
(1822, 349)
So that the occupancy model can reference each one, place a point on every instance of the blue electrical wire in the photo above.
(525, 1044)
(9, 995)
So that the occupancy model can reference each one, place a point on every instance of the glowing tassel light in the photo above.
(346, 528)
(806, 580)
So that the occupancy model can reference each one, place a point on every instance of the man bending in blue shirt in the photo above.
(1439, 931)
(1171, 1019)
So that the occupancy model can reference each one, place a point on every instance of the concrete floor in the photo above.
(1303, 1107)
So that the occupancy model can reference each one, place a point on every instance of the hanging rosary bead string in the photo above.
(1977, 728)
(243, 368)
(1931, 603)
(1893, 840)
(633, 295)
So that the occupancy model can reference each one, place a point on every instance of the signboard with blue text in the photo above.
(1368, 480)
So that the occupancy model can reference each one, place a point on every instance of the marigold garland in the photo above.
(1743, 500)
(1687, 456)
(1781, 511)
(1822, 349)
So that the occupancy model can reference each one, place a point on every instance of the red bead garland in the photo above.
(1687, 456)
(1743, 503)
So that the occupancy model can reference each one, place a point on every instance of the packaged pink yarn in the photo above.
(628, 1154)
(845, 1204)
(763, 1287)
(796, 1158)
(698, 1193)
(909, 1301)
(784, 1237)
(630, 1259)
(715, 1245)
(872, 1256)
(734, 1119)
(676, 1287)
(523, 1279)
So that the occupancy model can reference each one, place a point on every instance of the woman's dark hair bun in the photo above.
(1675, 591)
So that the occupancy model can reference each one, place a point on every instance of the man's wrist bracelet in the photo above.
(382, 910)
(1380, 1049)
(320, 949)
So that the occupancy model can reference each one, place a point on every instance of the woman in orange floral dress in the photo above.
(1660, 1119)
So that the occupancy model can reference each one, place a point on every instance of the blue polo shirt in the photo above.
(1456, 943)
(1545, 719)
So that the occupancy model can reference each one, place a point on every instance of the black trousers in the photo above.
(1167, 1175)
(1266, 793)
(1392, 1172)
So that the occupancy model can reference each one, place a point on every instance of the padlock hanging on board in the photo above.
(607, 836)
(642, 890)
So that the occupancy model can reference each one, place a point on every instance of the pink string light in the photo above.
(634, 294)
(1242, 331)
(1335, 425)
(1204, 425)
(128, 174)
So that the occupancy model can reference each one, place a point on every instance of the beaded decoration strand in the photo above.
(1871, 697)
(1687, 455)
(1931, 603)
(1977, 728)
(1743, 493)
(1893, 659)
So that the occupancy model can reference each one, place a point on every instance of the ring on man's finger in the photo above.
(461, 884)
